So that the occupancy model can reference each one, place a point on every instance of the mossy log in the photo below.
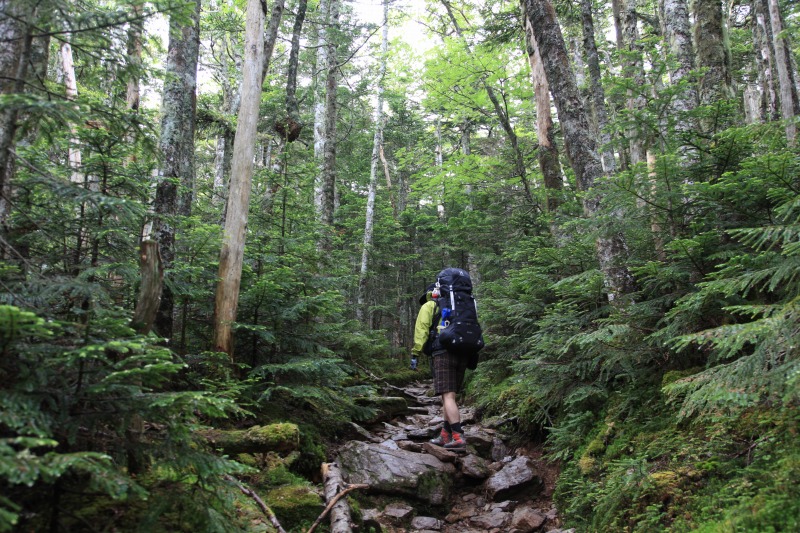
(281, 437)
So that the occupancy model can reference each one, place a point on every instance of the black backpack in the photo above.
(460, 333)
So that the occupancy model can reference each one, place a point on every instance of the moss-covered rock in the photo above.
(295, 505)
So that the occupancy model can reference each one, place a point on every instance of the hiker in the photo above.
(448, 369)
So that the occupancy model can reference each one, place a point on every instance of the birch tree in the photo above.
(377, 143)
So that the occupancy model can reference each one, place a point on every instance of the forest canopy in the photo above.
(220, 214)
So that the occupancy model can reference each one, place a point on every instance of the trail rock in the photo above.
(489, 521)
(426, 523)
(396, 471)
(410, 446)
(525, 519)
(398, 513)
(475, 467)
(499, 450)
(514, 476)
(480, 439)
(440, 453)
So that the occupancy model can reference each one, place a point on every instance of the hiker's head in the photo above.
(426, 294)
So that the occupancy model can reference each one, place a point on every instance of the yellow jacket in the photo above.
(423, 325)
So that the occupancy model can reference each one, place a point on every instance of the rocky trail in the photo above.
(424, 488)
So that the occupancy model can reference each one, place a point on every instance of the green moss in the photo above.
(433, 484)
(295, 505)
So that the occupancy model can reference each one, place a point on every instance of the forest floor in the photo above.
(491, 488)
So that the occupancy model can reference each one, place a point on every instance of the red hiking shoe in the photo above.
(443, 439)
(457, 443)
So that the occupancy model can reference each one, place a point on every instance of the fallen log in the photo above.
(281, 437)
(338, 509)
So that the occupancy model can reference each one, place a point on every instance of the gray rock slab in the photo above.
(515, 476)
(396, 471)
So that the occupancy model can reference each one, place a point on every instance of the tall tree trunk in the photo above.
(232, 253)
(231, 98)
(762, 39)
(134, 56)
(634, 70)
(271, 36)
(377, 141)
(709, 40)
(549, 163)
(598, 97)
(323, 29)
(611, 245)
(14, 58)
(328, 170)
(678, 37)
(790, 105)
(71, 91)
(176, 178)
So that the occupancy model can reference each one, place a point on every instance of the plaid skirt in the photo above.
(448, 372)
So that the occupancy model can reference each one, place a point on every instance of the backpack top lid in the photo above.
(454, 277)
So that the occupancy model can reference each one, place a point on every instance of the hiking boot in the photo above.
(443, 439)
(457, 442)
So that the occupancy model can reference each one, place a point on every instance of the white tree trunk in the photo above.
(71, 89)
(232, 253)
(319, 102)
(373, 171)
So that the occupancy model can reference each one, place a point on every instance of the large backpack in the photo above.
(459, 331)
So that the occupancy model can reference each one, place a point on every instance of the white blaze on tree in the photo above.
(232, 253)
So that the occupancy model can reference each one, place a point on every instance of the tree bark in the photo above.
(271, 36)
(549, 164)
(711, 52)
(377, 143)
(323, 11)
(598, 97)
(152, 276)
(677, 34)
(14, 57)
(790, 105)
(71, 92)
(762, 38)
(134, 57)
(611, 245)
(176, 178)
(328, 170)
(232, 253)
(634, 70)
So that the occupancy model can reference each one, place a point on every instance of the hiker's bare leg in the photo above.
(450, 408)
